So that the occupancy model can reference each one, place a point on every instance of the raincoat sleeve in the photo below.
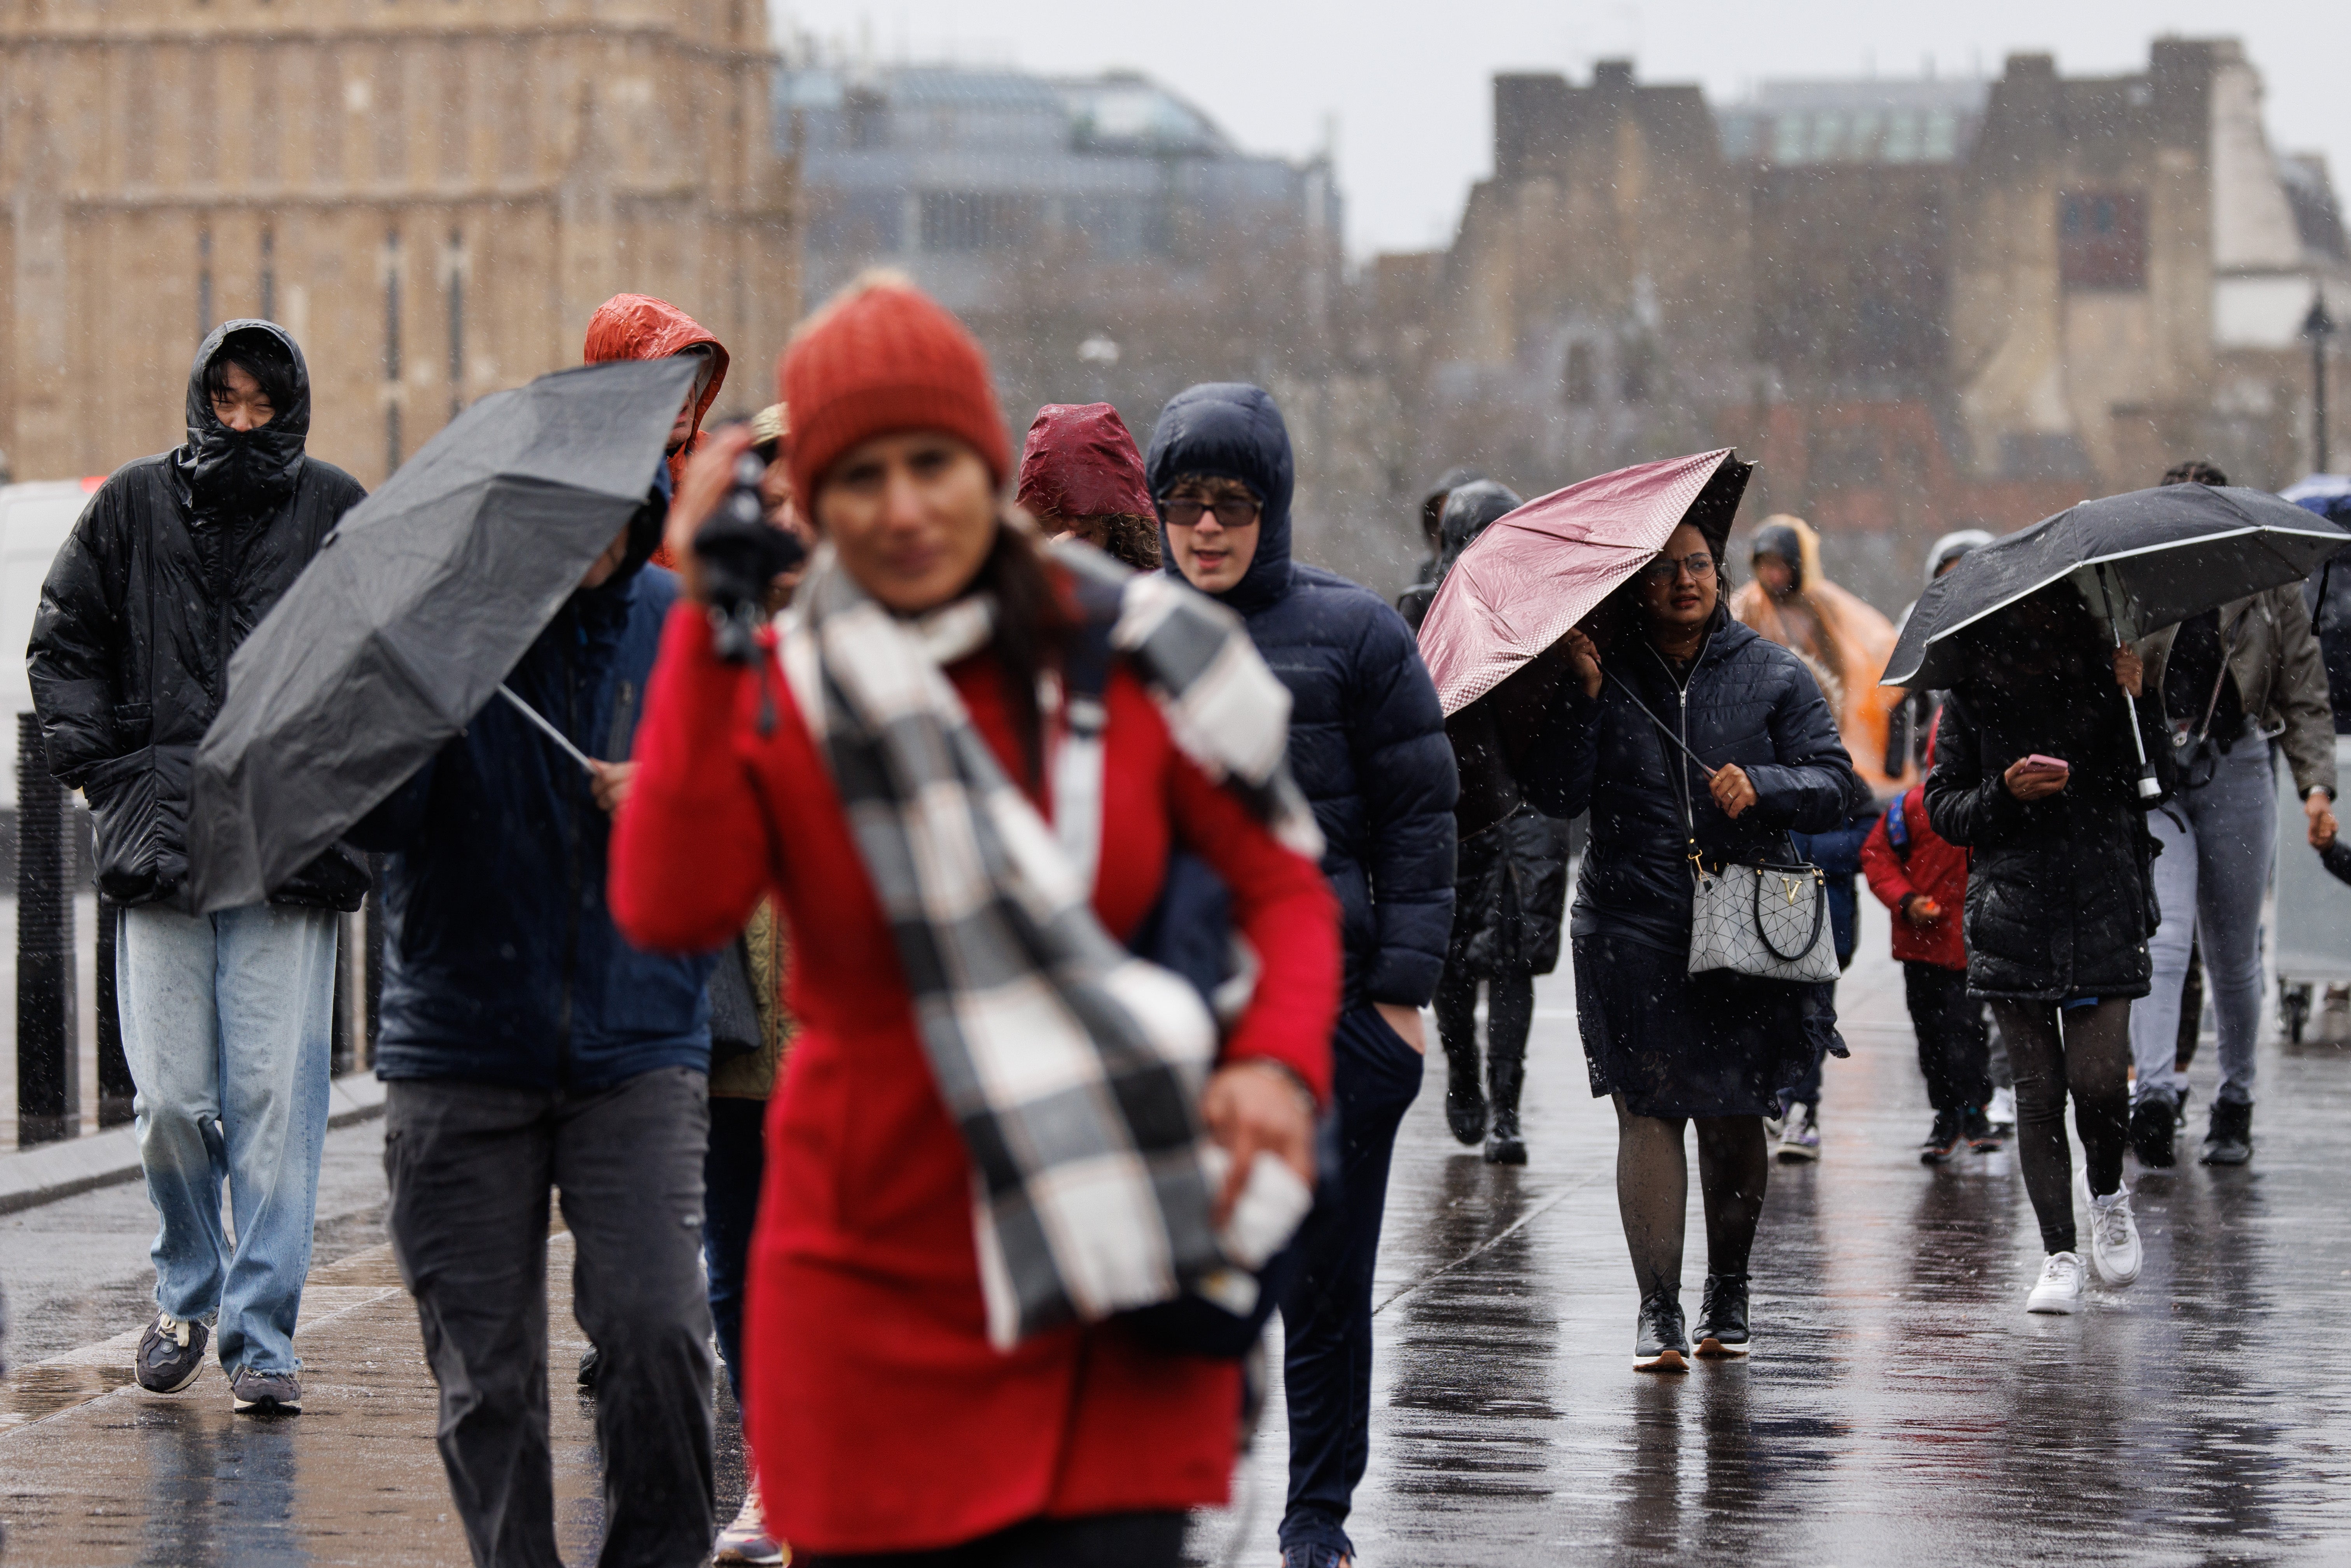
(1557, 770)
(684, 875)
(1404, 766)
(1965, 805)
(77, 634)
(1285, 909)
(1811, 788)
(2301, 697)
(1889, 878)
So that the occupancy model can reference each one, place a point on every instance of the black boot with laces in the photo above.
(1721, 1331)
(1659, 1343)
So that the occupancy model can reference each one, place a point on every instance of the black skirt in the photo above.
(1678, 1044)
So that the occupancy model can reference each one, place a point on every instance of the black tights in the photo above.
(1653, 1192)
(1510, 1013)
(2091, 1058)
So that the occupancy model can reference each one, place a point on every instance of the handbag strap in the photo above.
(1681, 793)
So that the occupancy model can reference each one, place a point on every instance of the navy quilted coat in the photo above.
(1748, 701)
(1366, 736)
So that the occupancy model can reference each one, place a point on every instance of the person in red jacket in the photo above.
(640, 327)
(898, 776)
(1924, 881)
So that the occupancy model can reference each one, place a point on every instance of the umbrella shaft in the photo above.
(586, 764)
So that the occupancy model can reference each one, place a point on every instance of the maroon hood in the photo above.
(1080, 462)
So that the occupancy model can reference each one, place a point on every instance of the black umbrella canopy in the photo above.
(2143, 561)
(414, 609)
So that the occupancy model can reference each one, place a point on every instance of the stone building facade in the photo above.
(1923, 305)
(432, 194)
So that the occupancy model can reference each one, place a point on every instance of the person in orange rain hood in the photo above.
(1843, 640)
(640, 327)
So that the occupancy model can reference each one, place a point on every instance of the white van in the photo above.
(34, 522)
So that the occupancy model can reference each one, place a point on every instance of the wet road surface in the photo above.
(1901, 1404)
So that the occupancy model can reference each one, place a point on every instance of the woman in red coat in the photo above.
(902, 1398)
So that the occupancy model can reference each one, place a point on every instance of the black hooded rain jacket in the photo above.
(173, 562)
(1366, 736)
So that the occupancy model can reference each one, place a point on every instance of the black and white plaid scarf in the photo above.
(1073, 1069)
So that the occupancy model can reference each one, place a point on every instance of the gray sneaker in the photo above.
(265, 1393)
(170, 1354)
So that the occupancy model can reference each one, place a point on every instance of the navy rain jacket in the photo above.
(1748, 701)
(501, 959)
(1366, 736)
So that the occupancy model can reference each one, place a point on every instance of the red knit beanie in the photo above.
(883, 356)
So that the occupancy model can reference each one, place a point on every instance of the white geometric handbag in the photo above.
(1770, 921)
(1766, 920)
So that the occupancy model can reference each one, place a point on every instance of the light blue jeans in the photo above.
(2209, 883)
(226, 1020)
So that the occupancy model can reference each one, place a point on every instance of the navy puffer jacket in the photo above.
(1748, 701)
(1366, 736)
(501, 959)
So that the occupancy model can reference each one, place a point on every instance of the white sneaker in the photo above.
(2002, 1112)
(749, 1540)
(2059, 1287)
(2114, 1236)
(1800, 1136)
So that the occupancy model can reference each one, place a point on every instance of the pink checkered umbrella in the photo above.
(1536, 572)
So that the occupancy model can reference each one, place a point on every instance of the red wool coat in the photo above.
(882, 1419)
(1932, 867)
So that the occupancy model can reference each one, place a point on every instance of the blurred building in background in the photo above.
(1103, 237)
(433, 200)
(1924, 304)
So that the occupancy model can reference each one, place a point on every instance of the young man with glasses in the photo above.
(1367, 745)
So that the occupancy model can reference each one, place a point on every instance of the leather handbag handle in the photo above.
(1763, 932)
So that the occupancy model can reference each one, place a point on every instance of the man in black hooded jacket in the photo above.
(1368, 747)
(224, 1016)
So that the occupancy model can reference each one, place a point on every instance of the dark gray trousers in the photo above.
(470, 1166)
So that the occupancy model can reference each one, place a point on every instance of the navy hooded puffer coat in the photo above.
(1366, 736)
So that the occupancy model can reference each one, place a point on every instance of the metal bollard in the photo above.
(116, 1092)
(49, 1060)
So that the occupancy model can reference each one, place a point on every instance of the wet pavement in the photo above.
(1900, 1403)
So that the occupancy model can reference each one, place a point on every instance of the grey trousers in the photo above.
(470, 1166)
(2217, 840)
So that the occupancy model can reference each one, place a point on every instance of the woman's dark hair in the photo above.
(1030, 624)
(2195, 471)
(260, 355)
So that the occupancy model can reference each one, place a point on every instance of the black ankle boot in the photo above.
(1465, 1102)
(1508, 1072)
(2229, 1140)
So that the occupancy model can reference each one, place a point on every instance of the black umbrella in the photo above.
(2144, 561)
(412, 614)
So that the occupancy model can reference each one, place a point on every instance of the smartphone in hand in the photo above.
(2048, 764)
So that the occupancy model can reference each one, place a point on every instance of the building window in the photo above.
(203, 282)
(2102, 239)
(269, 275)
(973, 220)
(1579, 380)
(456, 270)
(392, 452)
(1636, 370)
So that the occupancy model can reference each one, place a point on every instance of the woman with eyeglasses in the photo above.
(1671, 1047)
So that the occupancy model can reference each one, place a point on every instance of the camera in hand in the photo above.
(741, 554)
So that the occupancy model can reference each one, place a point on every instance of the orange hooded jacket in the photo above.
(640, 327)
(1864, 638)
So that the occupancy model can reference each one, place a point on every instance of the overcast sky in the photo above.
(1403, 87)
